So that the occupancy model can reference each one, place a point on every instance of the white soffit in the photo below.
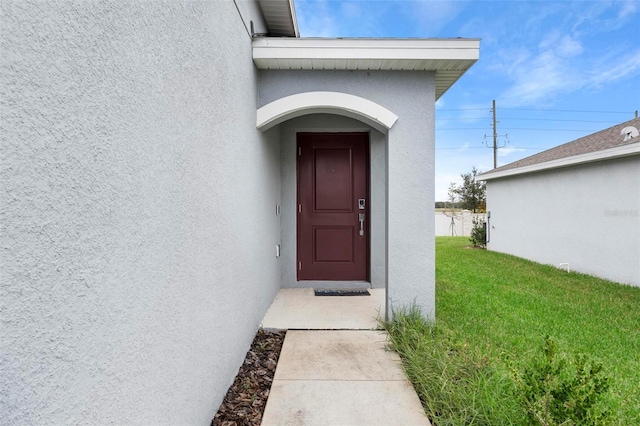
(449, 58)
(280, 17)
(590, 157)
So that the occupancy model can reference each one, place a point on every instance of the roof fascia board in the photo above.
(365, 42)
(409, 49)
(294, 18)
(449, 58)
(590, 157)
(364, 53)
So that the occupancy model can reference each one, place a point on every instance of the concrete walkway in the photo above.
(337, 370)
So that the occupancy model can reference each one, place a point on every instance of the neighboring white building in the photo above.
(156, 163)
(577, 204)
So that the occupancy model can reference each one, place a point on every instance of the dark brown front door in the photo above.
(332, 196)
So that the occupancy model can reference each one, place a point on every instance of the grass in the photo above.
(494, 309)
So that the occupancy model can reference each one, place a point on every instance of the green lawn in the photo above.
(492, 309)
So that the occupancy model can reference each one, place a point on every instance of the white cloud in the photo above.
(508, 150)
(596, 17)
(317, 19)
(556, 61)
(548, 74)
(561, 45)
(538, 79)
(541, 73)
(618, 66)
(628, 8)
(559, 66)
(331, 18)
(351, 9)
(568, 47)
(430, 16)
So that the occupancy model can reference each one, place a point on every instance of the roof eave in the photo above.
(590, 157)
(449, 58)
(280, 17)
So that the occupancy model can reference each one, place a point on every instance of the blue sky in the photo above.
(558, 70)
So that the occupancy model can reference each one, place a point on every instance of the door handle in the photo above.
(361, 218)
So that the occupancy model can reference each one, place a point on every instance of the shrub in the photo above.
(456, 382)
(556, 391)
(478, 232)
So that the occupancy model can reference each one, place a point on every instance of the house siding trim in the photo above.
(606, 154)
(338, 103)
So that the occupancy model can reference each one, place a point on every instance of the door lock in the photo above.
(361, 218)
(361, 203)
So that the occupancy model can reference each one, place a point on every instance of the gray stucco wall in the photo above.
(138, 224)
(410, 167)
(587, 216)
(377, 142)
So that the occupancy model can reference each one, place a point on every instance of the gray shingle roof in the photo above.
(604, 139)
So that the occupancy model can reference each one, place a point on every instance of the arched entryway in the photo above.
(338, 103)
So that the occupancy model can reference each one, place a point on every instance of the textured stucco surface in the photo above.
(587, 216)
(410, 167)
(138, 217)
(288, 159)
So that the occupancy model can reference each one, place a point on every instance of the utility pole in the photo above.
(495, 136)
(494, 125)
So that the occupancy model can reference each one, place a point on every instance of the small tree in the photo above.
(450, 206)
(472, 192)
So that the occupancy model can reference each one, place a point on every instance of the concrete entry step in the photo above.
(300, 309)
(341, 378)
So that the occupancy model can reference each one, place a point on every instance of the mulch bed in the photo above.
(246, 399)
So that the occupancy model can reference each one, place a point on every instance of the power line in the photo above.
(461, 128)
(533, 119)
(537, 109)
(551, 130)
(556, 119)
(482, 147)
(494, 127)
(464, 147)
(463, 109)
(566, 110)
(462, 118)
(518, 128)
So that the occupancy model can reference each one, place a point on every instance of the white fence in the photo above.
(458, 225)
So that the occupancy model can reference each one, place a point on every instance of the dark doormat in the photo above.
(323, 292)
